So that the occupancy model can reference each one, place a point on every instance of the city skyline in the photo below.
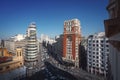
(16, 15)
(59, 40)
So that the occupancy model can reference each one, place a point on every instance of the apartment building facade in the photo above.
(97, 54)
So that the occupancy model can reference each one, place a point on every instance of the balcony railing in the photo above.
(112, 27)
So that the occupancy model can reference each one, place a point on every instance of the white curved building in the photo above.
(31, 47)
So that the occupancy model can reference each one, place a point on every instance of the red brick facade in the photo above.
(71, 29)
(64, 45)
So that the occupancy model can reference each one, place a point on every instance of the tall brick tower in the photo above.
(71, 41)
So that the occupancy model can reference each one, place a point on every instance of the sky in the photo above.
(49, 16)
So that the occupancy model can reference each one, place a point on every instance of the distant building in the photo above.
(10, 61)
(112, 31)
(59, 45)
(21, 44)
(71, 41)
(97, 54)
(5, 52)
(56, 48)
(31, 49)
(83, 53)
(11, 64)
(19, 37)
(11, 45)
(46, 39)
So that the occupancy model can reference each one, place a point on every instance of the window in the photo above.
(7, 67)
(89, 51)
(20, 53)
(97, 49)
(97, 45)
(17, 53)
(97, 53)
(102, 49)
(107, 50)
(97, 61)
(102, 69)
(112, 13)
(89, 41)
(89, 44)
(101, 41)
(20, 63)
(89, 62)
(89, 55)
(102, 58)
(102, 54)
(76, 58)
(93, 48)
(101, 45)
(106, 41)
(107, 45)
(97, 68)
(97, 64)
(90, 47)
(97, 41)
(97, 57)
(69, 57)
(102, 65)
(89, 66)
(89, 59)
(1, 69)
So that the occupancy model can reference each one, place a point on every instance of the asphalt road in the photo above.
(52, 73)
